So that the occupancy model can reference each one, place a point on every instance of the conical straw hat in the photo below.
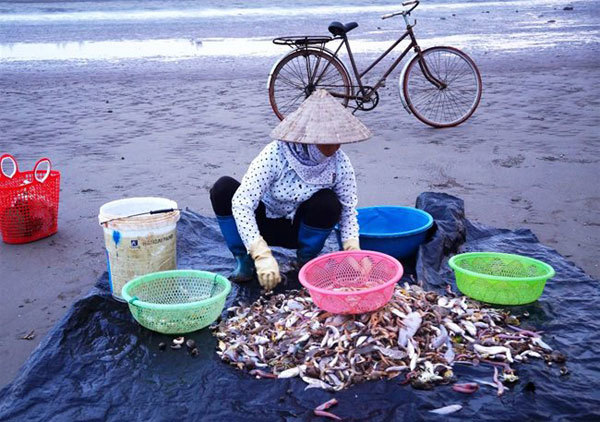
(321, 119)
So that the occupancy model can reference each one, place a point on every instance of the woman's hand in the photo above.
(267, 269)
(351, 245)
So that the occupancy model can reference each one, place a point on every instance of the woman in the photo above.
(294, 192)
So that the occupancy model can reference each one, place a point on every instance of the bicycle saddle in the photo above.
(339, 29)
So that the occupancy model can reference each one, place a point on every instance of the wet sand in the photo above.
(529, 157)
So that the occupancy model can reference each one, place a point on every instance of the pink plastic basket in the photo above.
(352, 282)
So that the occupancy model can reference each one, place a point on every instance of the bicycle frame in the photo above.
(365, 95)
(441, 85)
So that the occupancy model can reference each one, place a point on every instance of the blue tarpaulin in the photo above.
(97, 363)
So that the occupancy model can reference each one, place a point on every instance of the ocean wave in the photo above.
(58, 14)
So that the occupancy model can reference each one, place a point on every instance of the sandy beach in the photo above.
(117, 123)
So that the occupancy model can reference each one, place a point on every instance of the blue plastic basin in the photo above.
(393, 230)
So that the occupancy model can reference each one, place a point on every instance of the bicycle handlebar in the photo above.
(391, 15)
(404, 12)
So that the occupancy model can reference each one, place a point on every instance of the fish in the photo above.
(327, 404)
(525, 332)
(261, 340)
(446, 410)
(419, 333)
(449, 355)
(294, 305)
(531, 353)
(539, 342)
(399, 368)
(441, 339)
(453, 327)
(290, 373)
(391, 353)
(412, 322)
(467, 388)
(262, 374)
(498, 382)
(325, 414)
(315, 383)
(398, 313)
(471, 329)
(490, 384)
(494, 350)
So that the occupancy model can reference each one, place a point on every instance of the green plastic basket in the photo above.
(500, 278)
(178, 301)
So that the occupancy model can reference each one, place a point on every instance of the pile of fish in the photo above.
(418, 334)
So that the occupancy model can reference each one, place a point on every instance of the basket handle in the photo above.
(35, 169)
(14, 162)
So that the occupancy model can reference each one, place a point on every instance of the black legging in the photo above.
(322, 210)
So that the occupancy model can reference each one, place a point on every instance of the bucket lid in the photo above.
(125, 212)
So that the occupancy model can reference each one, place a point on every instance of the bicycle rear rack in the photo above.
(300, 41)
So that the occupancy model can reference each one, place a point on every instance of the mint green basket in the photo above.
(500, 278)
(178, 301)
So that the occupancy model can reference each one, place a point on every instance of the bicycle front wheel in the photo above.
(449, 105)
(302, 72)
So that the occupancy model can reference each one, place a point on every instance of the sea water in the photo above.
(175, 30)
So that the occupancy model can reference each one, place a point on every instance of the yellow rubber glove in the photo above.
(351, 245)
(267, 269)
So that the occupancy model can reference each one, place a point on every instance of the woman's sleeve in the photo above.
(263, 170)
(345, 189)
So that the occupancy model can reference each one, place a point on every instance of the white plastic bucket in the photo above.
(138, 244)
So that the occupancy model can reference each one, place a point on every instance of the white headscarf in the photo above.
(311, 165)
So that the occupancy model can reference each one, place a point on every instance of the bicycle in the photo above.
(441, 86)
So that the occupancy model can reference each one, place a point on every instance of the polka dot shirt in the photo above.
(271, 179)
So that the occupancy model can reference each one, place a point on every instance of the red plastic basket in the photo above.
(28, 201)
(351, 282)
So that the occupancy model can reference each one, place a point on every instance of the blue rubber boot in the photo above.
(310, 242)
(244, 270)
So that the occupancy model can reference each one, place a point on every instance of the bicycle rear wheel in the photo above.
(300, 73)
(448, 106)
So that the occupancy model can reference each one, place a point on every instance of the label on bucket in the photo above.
(156, 240)
(133, 255)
